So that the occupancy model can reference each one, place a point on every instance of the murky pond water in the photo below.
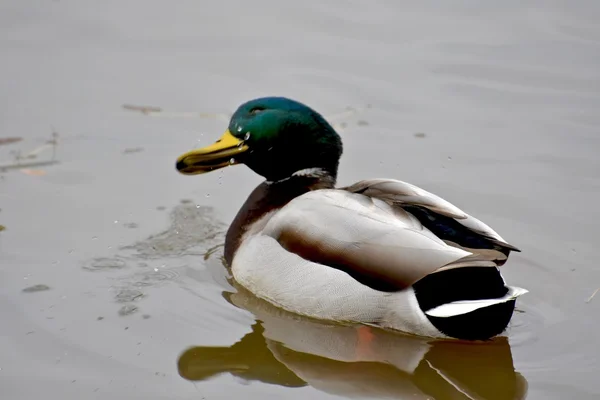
(111, 280)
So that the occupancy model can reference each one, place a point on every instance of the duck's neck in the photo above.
(270, 196)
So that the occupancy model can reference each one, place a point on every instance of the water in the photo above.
(492, 106)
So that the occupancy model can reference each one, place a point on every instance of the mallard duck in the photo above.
(380, 252)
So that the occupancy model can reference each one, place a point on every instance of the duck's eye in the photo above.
(256, 110)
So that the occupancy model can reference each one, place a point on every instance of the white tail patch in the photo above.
(466, 306)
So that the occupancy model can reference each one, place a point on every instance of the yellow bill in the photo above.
(217, 155)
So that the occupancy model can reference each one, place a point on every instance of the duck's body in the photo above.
(380, 252)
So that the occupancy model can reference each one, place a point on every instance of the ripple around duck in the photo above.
(105, 264)
(545, 347)
(154, 277)
(526, 325)
(193, 231)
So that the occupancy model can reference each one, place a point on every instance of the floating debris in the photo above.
(21, 165)
(131, 225)
(362, 123)
(36, 288)
(143, 109)
(131, 150)
(9, 140)
(2, 228)
(212, 250)
(21, 161)
(159, 112)
(419, 135)
(592, 296)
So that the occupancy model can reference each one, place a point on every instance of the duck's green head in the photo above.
(275, 137)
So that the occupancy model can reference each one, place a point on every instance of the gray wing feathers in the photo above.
(366, 235)
(400, 193)
(405, 193)
(483, 229)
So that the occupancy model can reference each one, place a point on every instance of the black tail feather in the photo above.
(469, 283)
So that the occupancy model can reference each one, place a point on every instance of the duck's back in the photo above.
(366, 254)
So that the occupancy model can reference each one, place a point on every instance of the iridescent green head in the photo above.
(275, 137)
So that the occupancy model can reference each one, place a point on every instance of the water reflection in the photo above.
(355, 361)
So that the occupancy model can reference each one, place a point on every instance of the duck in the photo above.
(379, 252)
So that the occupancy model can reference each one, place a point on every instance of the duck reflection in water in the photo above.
(356, 361)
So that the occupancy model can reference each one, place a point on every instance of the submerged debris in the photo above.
(104, 263)
(127, 295)
(192, 230)
(348, 112)
(159, 112)
(27, 160)
(36, 288)
(131, 150)
(128, 310)
(33, 172)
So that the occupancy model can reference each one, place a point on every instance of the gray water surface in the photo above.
(111, 283)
